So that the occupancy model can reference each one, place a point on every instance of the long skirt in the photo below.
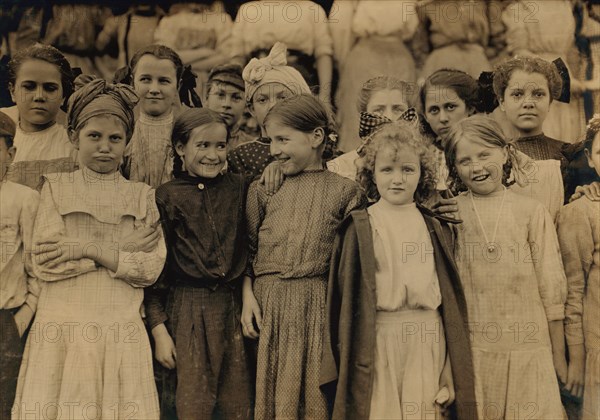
(289, 348)
(370, 57)
(410, 352)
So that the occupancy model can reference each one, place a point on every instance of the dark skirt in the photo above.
(212, 378)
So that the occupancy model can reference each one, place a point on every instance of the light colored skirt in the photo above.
(370, 57)
(410, 352)
(591, 392)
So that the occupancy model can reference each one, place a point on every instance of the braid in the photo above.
(177, 163)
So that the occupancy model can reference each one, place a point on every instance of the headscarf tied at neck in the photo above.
(101, 98)
(273, 69)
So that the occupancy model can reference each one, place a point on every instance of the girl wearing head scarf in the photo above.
(97, 243)
(268, 80)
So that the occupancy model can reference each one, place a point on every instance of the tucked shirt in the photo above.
(203, 221)
(18, 206)
(291, 233)
(405, 273)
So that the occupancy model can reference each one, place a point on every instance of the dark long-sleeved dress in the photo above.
(198, 297)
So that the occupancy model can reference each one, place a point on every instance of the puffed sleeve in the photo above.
(545, 254)
(340, 28)
(322, 36)
(256, 203)
(577, 249)
(26, 223)
(49, 225)
(138, 268)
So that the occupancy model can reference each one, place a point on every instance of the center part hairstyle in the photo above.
(487, 131)
(186, 79)
(183, 126)
(380, 83)
(305, 113)
(461, 83)
(394, 136)
(48, 54)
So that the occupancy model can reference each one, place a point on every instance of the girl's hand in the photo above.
(141, 240)
(446, 395)
(272, 178)
(591, 191)
(447, 207)
(560, 366)
(164, 350)
(576, 371)
(250, 313)
(57, 250)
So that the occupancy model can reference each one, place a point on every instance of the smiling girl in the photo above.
(514, 283)
(194, 310)
(291, 238)
(96, 248)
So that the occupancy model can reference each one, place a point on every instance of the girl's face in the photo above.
(155, 81)
(397, 174)
(266, 97)
(38, 94)
(480, 165)
(6, 156)
(594, 155)
(388, 103)
(101, 143)
(205, 153)
(228, 101)
(443, 109)
(294, 150)
(526, 102)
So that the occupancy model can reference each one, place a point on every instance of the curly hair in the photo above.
(484, 129)
(592, 129)
(48, 54)
(305, 113)
(380, 83)
(185, 122)
(395, 136)
(504, 71)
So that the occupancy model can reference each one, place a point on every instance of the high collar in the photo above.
(160, 120)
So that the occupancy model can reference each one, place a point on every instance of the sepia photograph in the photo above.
(300, 210)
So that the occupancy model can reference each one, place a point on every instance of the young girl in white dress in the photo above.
(97, 245)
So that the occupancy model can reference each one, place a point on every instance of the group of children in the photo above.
(418, 276)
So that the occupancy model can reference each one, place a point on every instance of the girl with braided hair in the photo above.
(194, 309)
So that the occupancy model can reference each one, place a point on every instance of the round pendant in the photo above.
(201, 186)
(491, 248)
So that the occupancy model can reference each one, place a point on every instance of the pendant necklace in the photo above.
(491, 246)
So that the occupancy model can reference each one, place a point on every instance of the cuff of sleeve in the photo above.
(320, 52)
(574, 334)
(31, 301)
(155, 319)
(127, 265)
(555, 313)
